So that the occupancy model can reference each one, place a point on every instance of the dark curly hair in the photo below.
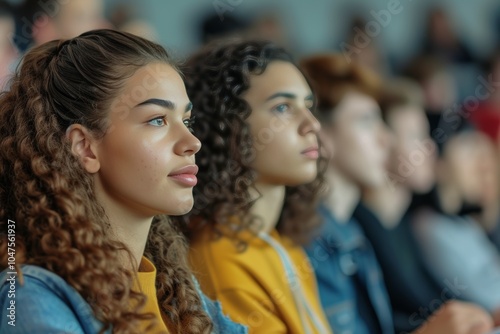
(60, 225)
(216, 79)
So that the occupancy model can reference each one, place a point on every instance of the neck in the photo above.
(389, 203)
(344, 195)
(449, 199)
(269, 204)
(130, 228)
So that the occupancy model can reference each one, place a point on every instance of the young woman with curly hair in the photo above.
(95, 152)
(260, 176)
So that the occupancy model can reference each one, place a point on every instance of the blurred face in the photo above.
(146, 159)
(284, 131)
(440, 91)
(78, 16)
(361, 140)
(413, 155)
(441, 28)
(469, 164)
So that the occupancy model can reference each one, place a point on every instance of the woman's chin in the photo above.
(182, 208)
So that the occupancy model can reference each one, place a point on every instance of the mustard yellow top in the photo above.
(146, 278)
(252, 286)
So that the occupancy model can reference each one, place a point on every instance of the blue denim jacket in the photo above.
(494, 236)
(46, 304)
(350, 281)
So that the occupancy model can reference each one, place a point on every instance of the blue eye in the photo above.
(158, 121)
(281, 108)
(189, 123)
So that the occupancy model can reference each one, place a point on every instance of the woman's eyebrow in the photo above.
(159, 102)
(282, 94)
(165, 104)
(288, 95)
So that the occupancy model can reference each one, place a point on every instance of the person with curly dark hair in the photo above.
(95, 152)
(261, 173)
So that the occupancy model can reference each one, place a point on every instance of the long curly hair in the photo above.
(60, 225)
(216, 79)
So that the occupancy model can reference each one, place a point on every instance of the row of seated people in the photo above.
(323, 204)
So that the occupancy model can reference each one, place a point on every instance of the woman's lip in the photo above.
(188, 179)
(311, 152)
(188, 170)
(185, 175)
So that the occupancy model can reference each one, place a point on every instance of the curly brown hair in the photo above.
(216, 79)
(60, 225)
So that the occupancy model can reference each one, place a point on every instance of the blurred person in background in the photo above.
(436, 82)
(386, 207)
(411, 163)
(486, 118)
(352, 287)
(448, 229)
(441, 39)
(8, 50)
(358, 46)
(43, 21)
(123, 17)
(350, 281)
(268, 26)
(211, 27)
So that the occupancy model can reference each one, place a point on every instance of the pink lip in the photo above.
(186, 175)
(311, 152)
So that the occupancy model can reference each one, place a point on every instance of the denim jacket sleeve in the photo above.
(44, 303)
(222, 324)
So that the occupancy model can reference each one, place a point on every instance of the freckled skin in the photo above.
(137, 156)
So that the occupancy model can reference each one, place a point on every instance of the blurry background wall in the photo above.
(320, 25)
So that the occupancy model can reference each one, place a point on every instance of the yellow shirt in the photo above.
(251, 285)
(146, 278)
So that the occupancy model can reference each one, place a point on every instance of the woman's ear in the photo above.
(83, 145)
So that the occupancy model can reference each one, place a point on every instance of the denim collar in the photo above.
(343, 237)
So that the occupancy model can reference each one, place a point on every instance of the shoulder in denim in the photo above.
(221, 322)
(44, 303)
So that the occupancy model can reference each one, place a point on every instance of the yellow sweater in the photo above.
(252, 285)
(146, 278)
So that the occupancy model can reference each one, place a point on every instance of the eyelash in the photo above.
(187, 122)
(280, 105)
(163, 118)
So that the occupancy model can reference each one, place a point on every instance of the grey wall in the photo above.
(317, 24)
